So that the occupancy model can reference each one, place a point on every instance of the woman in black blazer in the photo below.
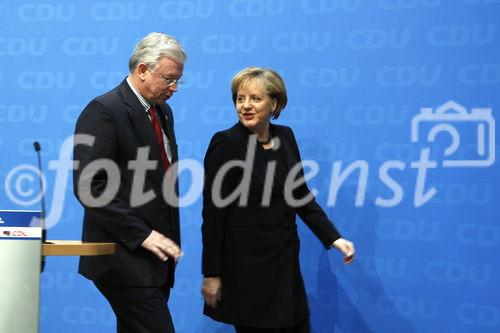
(252, 193)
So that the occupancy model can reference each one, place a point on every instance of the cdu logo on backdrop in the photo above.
(471, 134)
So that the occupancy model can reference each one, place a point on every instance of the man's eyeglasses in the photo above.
(170, 82)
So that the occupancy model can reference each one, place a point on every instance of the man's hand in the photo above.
(162, 246)
(347, 249)
(212, 290)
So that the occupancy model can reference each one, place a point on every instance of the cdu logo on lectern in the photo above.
(470, 135)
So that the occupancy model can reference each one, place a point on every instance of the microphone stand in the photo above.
(38, 148)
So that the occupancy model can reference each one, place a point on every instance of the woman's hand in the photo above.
(347, 249)
(212, 290)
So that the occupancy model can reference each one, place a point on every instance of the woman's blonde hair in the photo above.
(273, 84)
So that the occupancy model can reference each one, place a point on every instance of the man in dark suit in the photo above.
(125, 150)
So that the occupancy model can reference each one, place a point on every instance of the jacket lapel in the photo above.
(260, 163)
(285, 151)
(142, 124)
(165, 115)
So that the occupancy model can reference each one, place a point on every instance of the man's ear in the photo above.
(141, 70)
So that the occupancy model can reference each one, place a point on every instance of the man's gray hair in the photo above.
(155, 46)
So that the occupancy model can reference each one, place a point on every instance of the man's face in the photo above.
(155, 87)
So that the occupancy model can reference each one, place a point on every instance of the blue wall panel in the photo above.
(358, 74)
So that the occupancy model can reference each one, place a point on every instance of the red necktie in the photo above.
(159, 137)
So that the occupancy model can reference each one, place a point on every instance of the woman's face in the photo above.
(254, 106)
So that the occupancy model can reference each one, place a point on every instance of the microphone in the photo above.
(38, 148)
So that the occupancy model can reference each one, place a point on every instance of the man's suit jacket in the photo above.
(253, 248)
(121, 126)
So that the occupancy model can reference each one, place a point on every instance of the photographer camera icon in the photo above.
(476, 128)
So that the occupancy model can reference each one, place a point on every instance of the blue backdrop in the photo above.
(393, 100)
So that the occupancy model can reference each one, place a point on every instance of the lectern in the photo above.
(21, 249)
